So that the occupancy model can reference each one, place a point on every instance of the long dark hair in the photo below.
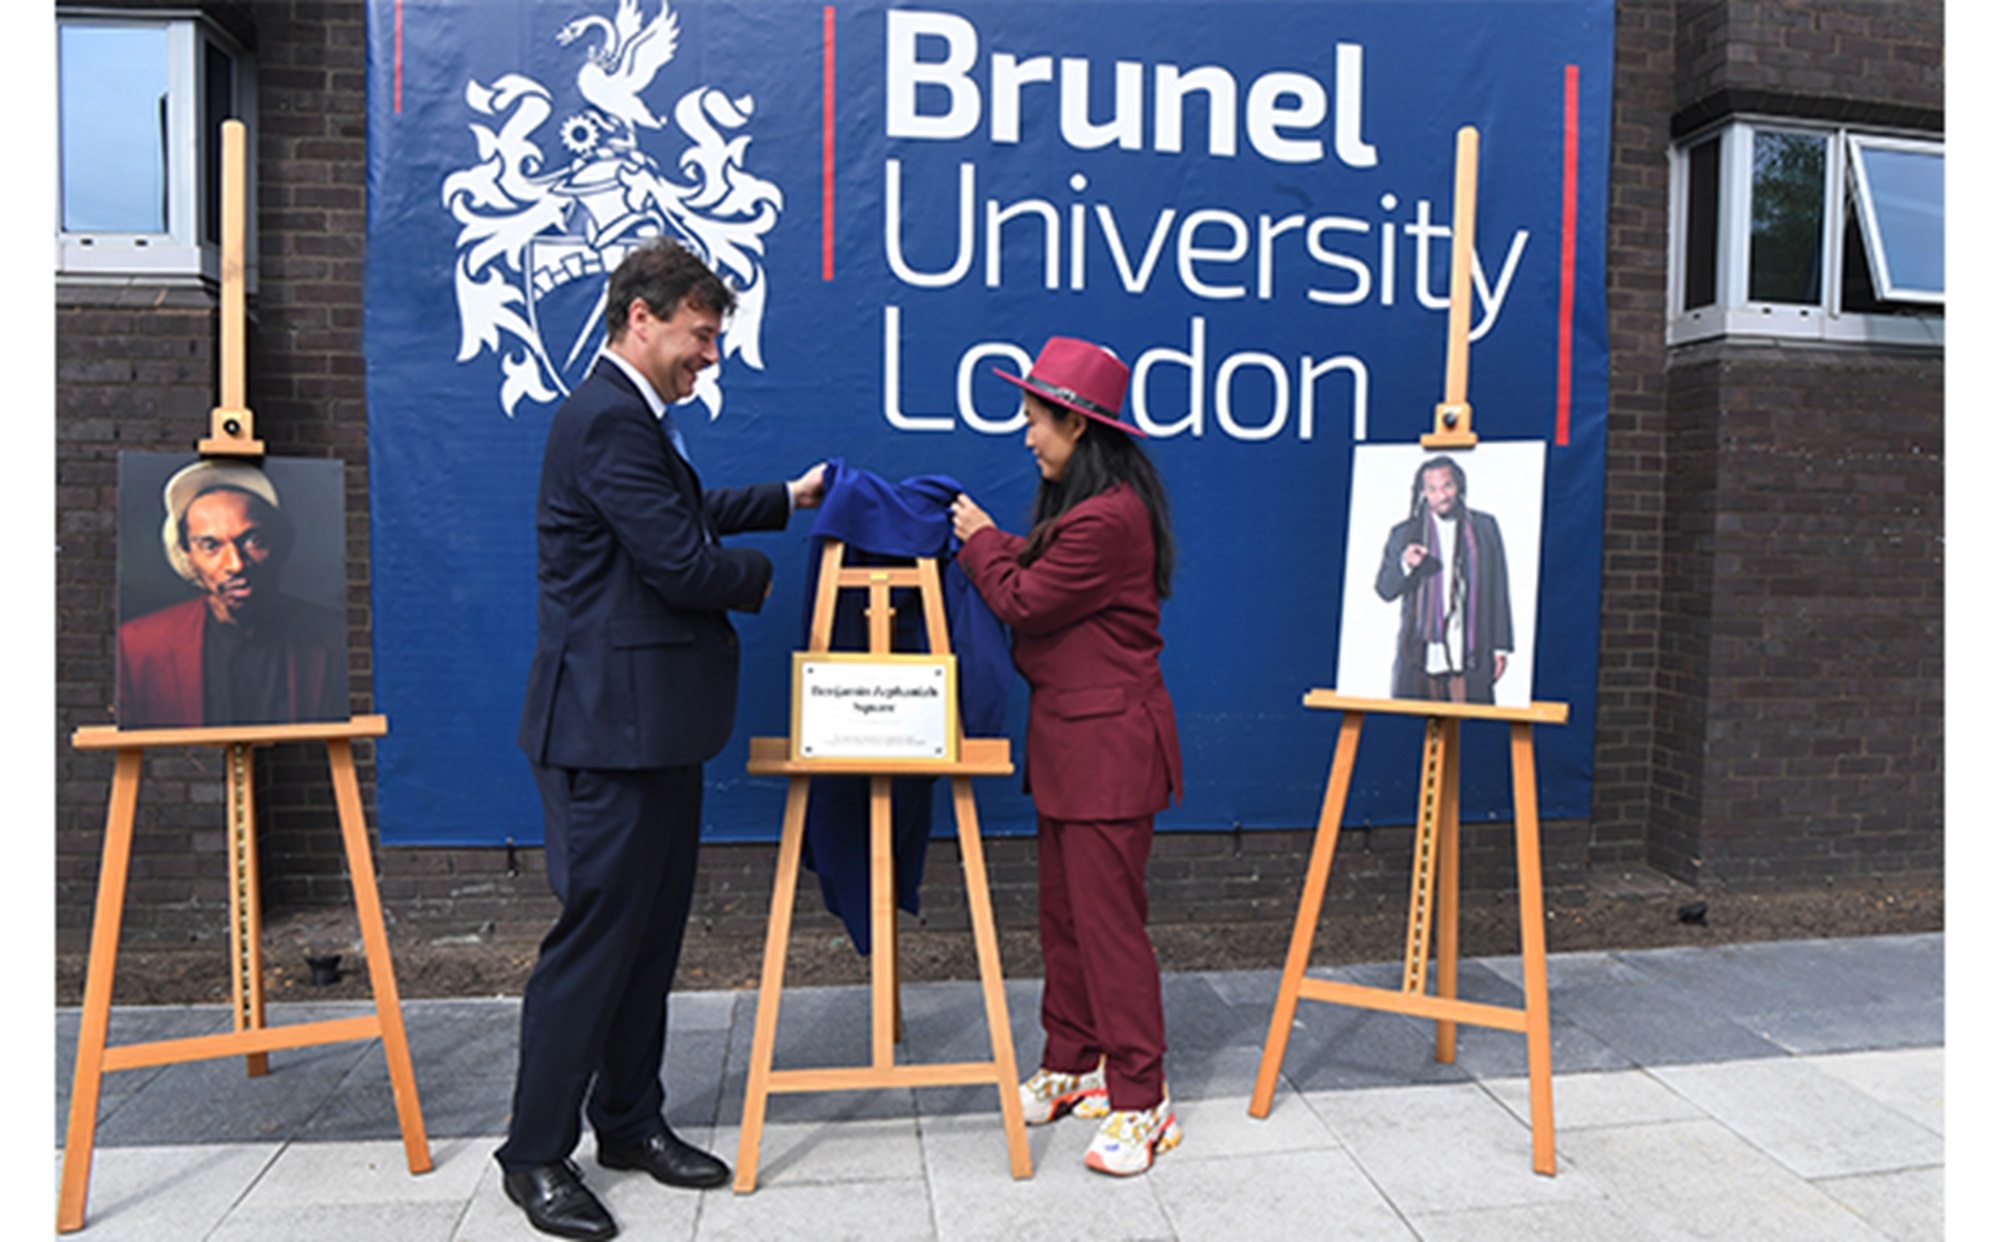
(1102, 459)
(1417, 505)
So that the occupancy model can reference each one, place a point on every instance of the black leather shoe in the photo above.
(557, 1201)
(669, 1160)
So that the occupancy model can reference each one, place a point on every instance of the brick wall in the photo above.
(1825, 59)
(135, 369)
(1194, 877)
(1635, 441)
(1800, 690)
(1808, 616)
(1687, 588)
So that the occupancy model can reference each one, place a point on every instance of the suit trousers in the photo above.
(622, 848)
(1101, 988)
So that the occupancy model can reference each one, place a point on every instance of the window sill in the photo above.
(160, 290)
(1809, 326)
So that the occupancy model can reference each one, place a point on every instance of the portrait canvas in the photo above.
(232, 591)
(1442, 573)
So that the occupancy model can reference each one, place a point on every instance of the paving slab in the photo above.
(1444, 1148)
(976, 1199)
(405, 1222)
(219, 1102)
(855, 1153)
(1288, 1196)
(1621, 1097)
(1909, 1080)
(1906, 1205)
(1575, 1220)
(160, 1191)
(887, 1211)
(1700, 1180)
(1805, 1118)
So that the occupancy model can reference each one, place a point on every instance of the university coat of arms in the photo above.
(544, 218)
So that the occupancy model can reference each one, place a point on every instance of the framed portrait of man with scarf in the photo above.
(1442, 571)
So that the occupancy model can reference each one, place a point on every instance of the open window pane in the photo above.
(1899, 197)
(1787, 217)
(114, 128)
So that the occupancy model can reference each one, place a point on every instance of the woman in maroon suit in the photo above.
(1082, 593)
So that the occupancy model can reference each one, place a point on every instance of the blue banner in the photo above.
(1250, 202)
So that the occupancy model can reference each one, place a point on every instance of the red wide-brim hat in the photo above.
(1080, 376)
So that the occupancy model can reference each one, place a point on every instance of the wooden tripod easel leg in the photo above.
(375, 939)
(1447, 895)
(1325, 838)
(1534, 950)
(96, 1024)
(992, 984)
(777, 938)
(887, 1025)
(246, 914)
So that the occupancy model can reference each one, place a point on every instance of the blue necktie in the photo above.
(674, 434)
(680, 446)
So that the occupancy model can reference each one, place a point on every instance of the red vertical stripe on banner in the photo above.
(826, 145)
(1566, 312)
(399, 58)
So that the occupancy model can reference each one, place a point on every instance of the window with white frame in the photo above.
(1786, 229)
(141, 98)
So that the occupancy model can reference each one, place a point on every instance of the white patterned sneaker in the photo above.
(1048, 1095)
(1125, 1143)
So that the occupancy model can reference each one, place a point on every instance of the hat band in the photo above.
(1071, 397)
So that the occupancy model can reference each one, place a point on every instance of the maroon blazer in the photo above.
(1086, 620)
(159, 667)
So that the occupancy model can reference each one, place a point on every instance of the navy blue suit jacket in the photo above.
(635, 660)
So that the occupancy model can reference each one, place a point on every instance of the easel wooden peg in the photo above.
(1452, 425)
(232, 428)
(773, 756)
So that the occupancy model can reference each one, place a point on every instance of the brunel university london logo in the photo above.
(544, 222)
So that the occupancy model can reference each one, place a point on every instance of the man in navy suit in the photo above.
(632, 687)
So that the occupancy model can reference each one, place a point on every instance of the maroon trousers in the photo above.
(1101, 994)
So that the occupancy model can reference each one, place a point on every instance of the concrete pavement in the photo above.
(1791, 1090)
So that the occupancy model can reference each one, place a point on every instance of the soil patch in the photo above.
(1625, 911)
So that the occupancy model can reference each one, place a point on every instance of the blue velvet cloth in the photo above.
(883, 522)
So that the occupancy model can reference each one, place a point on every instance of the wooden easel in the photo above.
(1435, 864)
(771, 756)
(232, 428)
(250, 1038)
(1433, 891)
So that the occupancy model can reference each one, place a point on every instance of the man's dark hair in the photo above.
(663, 273)
(1435, 463)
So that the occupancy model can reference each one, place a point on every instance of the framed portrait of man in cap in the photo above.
(232, 592)
(1443, 573)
